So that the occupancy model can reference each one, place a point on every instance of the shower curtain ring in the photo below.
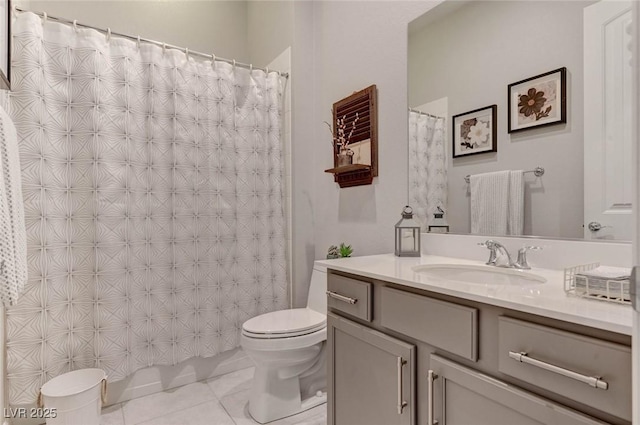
(266, 70)
(234, 65)
(108, 34)
(164, 48)
(75, 24)
(186, 52)
(138, 42)
(250, 67)
(44, 16)
(213, 61)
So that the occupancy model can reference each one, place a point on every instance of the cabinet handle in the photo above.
(593, 381)
(341, 297)
(431, 376)
(401, 403)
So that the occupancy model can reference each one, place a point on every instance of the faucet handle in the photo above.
(522, 263)
(491, 246)
(524, 249)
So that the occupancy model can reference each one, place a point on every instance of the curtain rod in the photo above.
(185, 50)
(424, 113)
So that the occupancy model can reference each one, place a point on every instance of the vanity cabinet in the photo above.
(364, 361)
(449, 360)
(465, 396)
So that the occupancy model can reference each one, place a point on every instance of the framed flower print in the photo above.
(475, 131)
(538, 101)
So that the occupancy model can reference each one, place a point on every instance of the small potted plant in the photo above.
(342, 252)
(341, 140)
(345, 250)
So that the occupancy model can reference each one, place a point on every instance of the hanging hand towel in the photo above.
(515, 220)
(490, 203)
(13, 245)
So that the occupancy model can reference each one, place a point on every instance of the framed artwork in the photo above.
(5, 49)
(475, 132)
(538, 101)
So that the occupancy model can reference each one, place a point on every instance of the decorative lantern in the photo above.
(407, 235)
(439, 224)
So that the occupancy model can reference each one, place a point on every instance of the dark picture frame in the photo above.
(537, 101)
(5, 45)
(475, 132)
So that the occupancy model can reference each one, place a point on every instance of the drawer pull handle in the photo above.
(592, 381)
(342, 297)
(401, 403)
(431, 376)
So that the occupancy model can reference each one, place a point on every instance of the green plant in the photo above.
(345, 250)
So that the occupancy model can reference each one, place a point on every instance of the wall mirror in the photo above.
(463, 56)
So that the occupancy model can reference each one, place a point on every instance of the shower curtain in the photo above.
(153, 187)
(427, 166)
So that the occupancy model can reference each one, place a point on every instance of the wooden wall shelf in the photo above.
(351, 175)
(348, 168)
(363, 105)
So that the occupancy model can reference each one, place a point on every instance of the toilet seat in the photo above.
(284, 324)
(283, 345)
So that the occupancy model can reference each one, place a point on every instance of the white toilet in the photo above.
(288, 348)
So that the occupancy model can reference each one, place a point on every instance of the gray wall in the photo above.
(470, 56)
(218, 27)
(269, 29)
(358, 44)
(304, 118)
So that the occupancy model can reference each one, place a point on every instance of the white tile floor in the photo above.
(220, 401)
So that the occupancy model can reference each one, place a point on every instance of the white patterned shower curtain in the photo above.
(153, 187)
(427, 166)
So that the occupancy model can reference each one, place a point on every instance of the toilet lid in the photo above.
(286, 322)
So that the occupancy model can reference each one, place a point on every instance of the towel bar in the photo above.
(538, 171)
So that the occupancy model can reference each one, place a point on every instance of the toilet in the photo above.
(288, 348)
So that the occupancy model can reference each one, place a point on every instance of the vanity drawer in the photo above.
(445, 325)
(350, 296)
(560, 361)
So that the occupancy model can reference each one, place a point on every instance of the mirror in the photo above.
(463, 57)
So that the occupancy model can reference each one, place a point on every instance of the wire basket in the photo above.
(616, 291)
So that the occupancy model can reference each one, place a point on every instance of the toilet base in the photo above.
(280, 392)
(309, 403)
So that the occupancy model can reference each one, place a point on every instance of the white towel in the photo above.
(13, 239)
(497, 203)
(607, 272)
(515, 223)
(490, 203)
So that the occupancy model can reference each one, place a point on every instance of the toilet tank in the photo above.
(317, 299)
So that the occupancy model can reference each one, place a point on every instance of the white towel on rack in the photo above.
(515, 221)
(490, 203)
(13, 239)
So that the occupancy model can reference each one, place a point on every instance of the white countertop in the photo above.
(547, 299)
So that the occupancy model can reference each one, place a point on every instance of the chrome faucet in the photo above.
(496, 247)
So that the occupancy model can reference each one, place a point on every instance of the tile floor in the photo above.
(219, 401)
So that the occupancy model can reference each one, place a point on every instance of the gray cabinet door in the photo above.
(371, 376)
(463, 396)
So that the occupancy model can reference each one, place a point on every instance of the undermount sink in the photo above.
(479, 274)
